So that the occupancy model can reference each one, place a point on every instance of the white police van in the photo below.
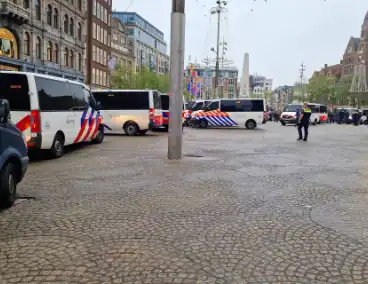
(132, 111)
(247, 113)
(51, 112)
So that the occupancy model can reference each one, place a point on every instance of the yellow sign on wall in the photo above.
(8, 67)
(8, 44)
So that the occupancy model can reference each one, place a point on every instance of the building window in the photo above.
(80, 59)
(38, 47)
(66, 53)
(49, 15)
(98, 32)
(56, 53)
(38, 10)
(105, 37)
(71, 62)
(66, 24)
(94, 7)
(94, 28)
(80, 5)
(93, 76)
(98, 10)
(26, 44)
(26, 4)
(79, 31)
(49, 51)
(56, 18)
(94, 53)
(71, 28)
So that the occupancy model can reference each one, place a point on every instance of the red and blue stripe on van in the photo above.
(90, 122)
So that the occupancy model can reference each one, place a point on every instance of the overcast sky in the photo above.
(278, 35)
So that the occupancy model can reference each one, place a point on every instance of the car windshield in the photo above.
(292, 108)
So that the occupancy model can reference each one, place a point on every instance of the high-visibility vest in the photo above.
(307, 109)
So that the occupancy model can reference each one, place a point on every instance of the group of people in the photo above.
(342, 116)
(274, 116)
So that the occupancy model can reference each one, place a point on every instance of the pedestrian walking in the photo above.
(304, 122)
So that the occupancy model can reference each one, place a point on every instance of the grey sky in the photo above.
(278, 35)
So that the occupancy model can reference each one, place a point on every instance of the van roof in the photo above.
(44, 76)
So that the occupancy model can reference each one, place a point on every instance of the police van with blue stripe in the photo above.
(248, 113)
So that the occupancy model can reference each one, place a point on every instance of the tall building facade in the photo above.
(122, 47)
(360, 76)
(244, 83)
(43, 37)
(228, 81)
(98, 55)
(260, 85)
(149, 42)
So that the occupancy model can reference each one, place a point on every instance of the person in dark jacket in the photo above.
(305, 116)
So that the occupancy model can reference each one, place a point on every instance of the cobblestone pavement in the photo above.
(258, 207)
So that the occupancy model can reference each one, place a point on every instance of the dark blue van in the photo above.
(13, 157)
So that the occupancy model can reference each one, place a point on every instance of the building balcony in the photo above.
(14, 12)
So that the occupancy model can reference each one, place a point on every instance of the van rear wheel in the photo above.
(57, 148)
(250, 124)
(131, 129)
(8, 186)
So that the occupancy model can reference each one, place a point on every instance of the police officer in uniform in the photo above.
(304, 122)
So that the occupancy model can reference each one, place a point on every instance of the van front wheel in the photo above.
(57, 148)
(99, 138)
(8, 186)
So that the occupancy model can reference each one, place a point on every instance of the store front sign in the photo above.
(9, 67)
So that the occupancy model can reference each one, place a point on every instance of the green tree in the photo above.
(267, 96)
(124, 78)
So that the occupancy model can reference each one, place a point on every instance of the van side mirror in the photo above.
(4, 111)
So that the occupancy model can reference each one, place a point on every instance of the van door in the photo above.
(15, 89)
(83, 114)
(56, 109)
(157, 109)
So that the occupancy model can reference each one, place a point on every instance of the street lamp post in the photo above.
(218, 10)
(177, 45)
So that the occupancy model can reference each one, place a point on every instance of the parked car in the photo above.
(13, 156)
(363, 119)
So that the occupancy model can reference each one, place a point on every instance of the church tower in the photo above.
(359, 83)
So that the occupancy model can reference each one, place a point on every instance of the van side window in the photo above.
(54, 95)
(122, 100)
(77, 92)
(323, 109)
(231, 106)
(257, 105)
(14, 88)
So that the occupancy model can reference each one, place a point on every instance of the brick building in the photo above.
(98, 45)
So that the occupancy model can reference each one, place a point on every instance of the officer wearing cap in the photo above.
(304, 122)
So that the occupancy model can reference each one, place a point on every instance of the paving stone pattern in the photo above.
(258, 207)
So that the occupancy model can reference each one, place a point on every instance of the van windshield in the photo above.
(197, 106)
(292, 108)
(14, 88)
